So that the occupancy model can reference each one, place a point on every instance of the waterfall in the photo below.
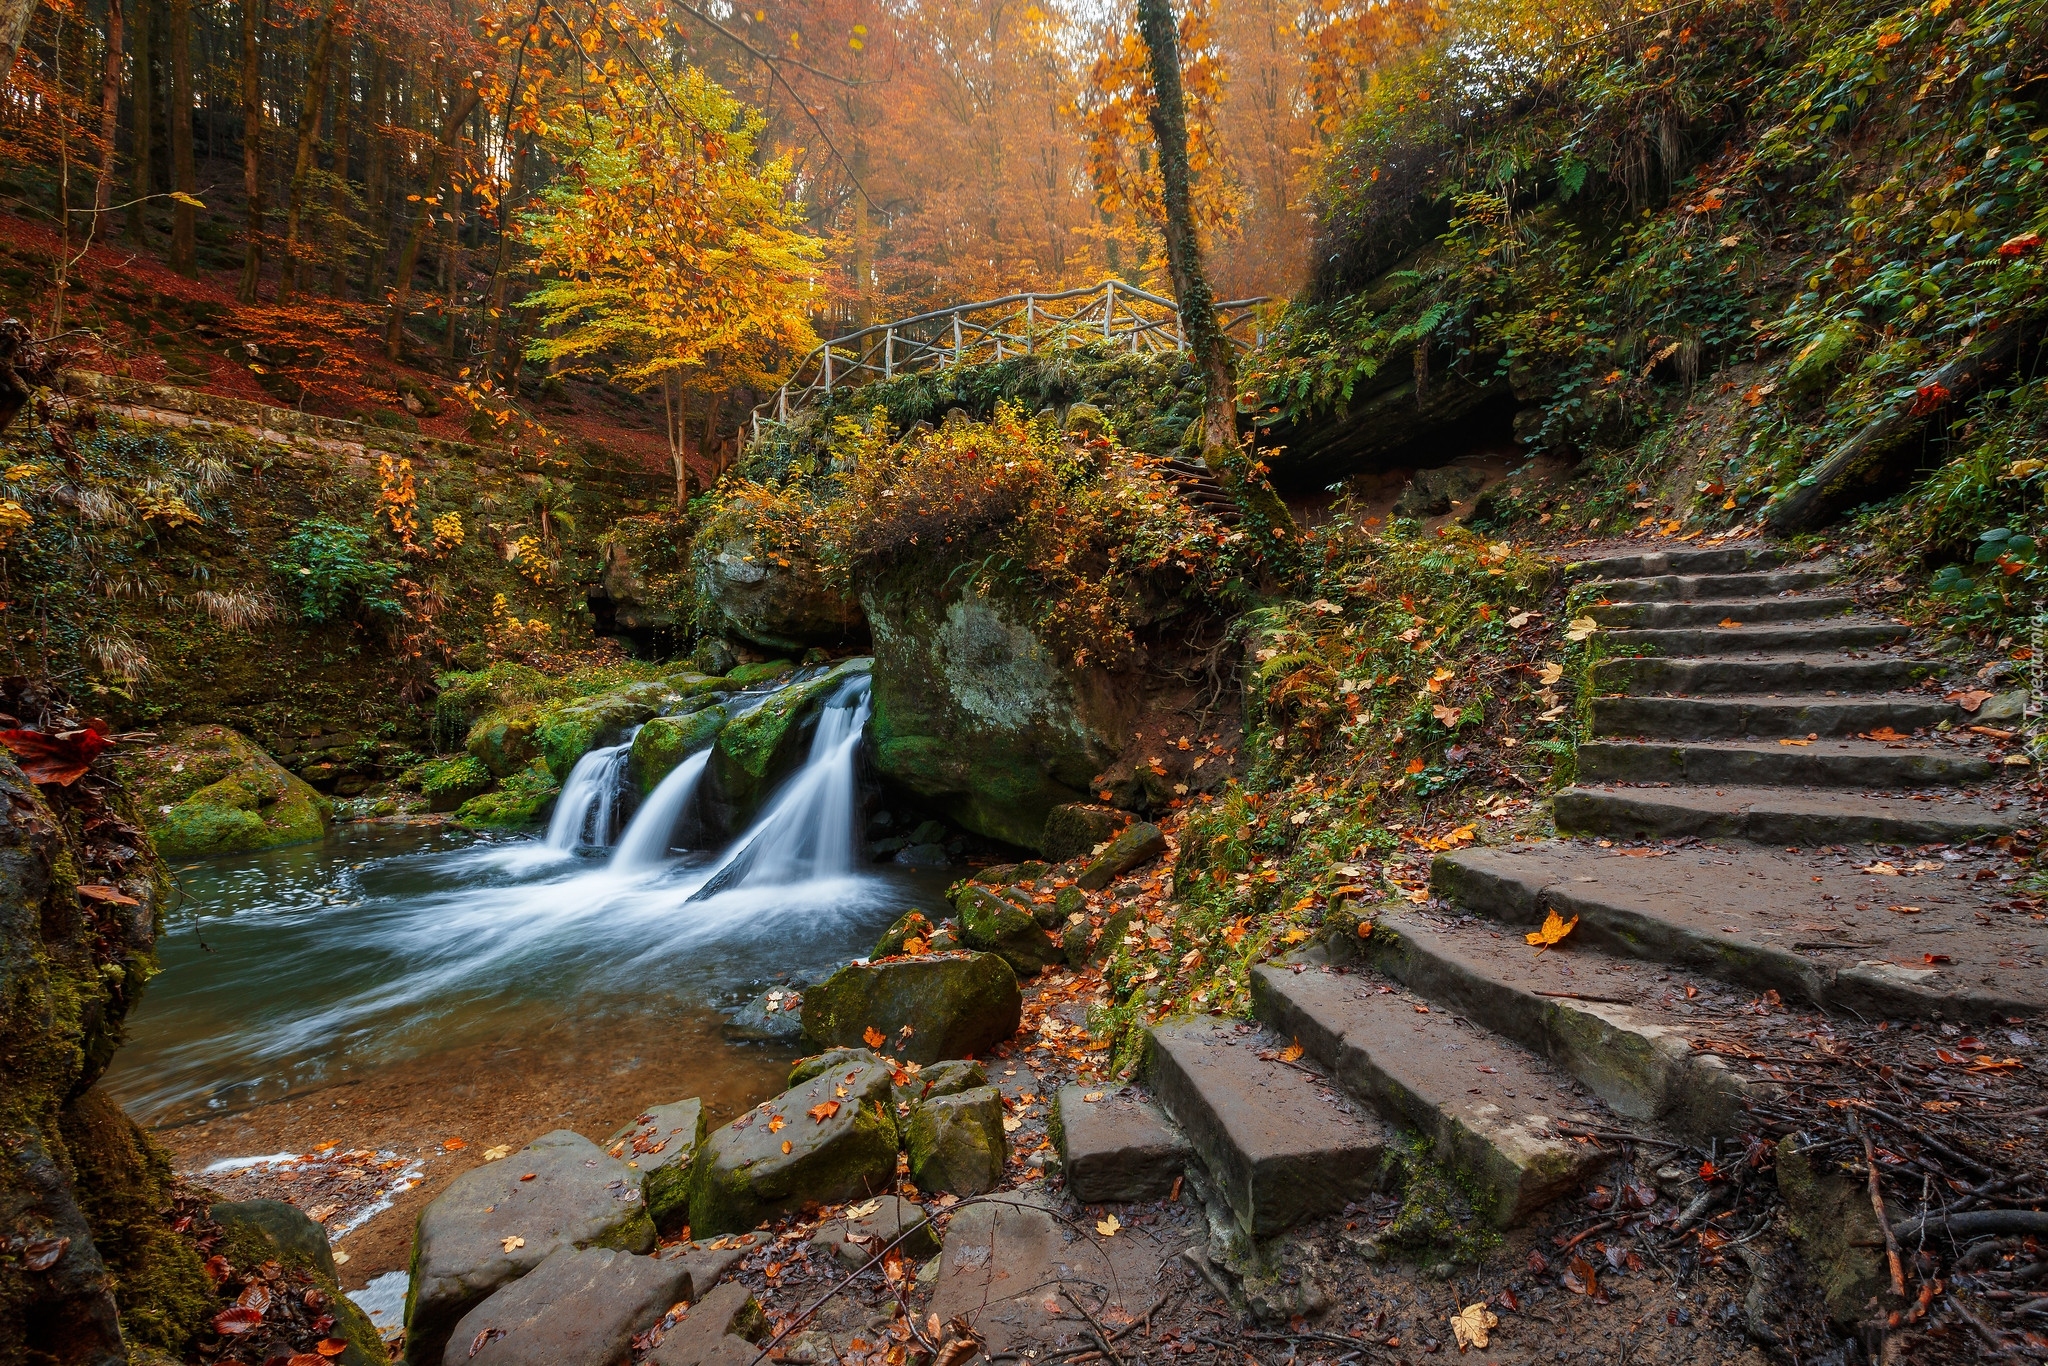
(807, 832)
(584, 811)
(646, 841)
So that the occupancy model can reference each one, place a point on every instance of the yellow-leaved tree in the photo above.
(673, 259)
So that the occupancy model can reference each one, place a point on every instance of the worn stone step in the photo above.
(1646, 564)
(1615, 1024)
(1711, 612)
(1774, 815)
(1851, 633)
(1875, 764)
(1927, 937)
(1718, 675)
(1732, 717)
(1488, 1108)
(1698, 587)
(1282, 1146)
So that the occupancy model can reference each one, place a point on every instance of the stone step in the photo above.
(1616, 1024)
(1853, 633)
(1647, 564)
(1838, 930)
(1733, 717)
(1488, 1108)
(1282, 1146)
(1873, 764)
(1695, 587)
(1772, 815)
(1718, 675)
(1663, 616)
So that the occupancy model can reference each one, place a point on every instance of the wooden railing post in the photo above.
(956, 339)
(828, 368)
(1030, 324)
(1108, 307)
(889, 354)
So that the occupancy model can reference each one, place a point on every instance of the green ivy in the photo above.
(335, 578)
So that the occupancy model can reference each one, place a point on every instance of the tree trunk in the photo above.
(310, 110)
(142, 116)
(675, 404)
(1210, 348)
(14, 17)
(493, 326)
(375, 173)
(337, 225)
(254, 13)
(110, 116)
(178, 123)
(409, 258)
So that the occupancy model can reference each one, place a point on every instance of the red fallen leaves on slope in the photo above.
(62, 758)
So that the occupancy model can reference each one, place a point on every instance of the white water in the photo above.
(646, 841)
(583, 813)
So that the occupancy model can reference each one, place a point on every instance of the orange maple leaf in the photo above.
(1555, 927)
(873, 1037)
(824, 1110)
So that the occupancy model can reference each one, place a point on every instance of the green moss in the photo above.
(756, 749)
(208, 790)
(749, 675)
(448, 783)
(666, 741)
(503, 741)
(521, 800)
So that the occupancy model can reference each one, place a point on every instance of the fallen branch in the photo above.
(1975, 1223)
(1891, 1241)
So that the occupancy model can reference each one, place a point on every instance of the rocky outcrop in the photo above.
(666, 741)
(756, 751)
(973, 709)
(210, 790)
(777, 601)
(956, 1142)
(999, 926)
(831, 1139)
(943, 1006)
(662, 1145)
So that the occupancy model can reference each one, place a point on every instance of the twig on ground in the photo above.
(1891, 1241)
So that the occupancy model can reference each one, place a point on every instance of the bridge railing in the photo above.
(1112, 313)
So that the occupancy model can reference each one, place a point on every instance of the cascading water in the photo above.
(585, 810)
(807, 833)
(646, 841)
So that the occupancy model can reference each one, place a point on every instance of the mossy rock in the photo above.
(257, 1231)
(210, 790)
(908, 926)
(755, 751)
(666, 741)
(691, 684)
(780, 602)
(522, 800)
(1822, 358)
(836, 1141)
(662, 1144)
(754, 675)
(566, 733)
(818, 1064)
(998, 925)
(448, 783)
(956, 1142)
(1837, 1234)
(954, 1005)
(1139, 844)
(503, 742)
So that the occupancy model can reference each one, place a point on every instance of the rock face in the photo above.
(1116, 1146)
(1836, 1231)
(258, 1231)
(1434, 492)
(210, 790)
(1141, 843)
(831, 1139)
(780, 603)
(1000, 926)
(755, 751)
(490, 1227)
(666, 741)
(580, 1307)
(663, 1144)
(79, 898)
(1073, 829)
(953, 1004)
(973, 708)
(956, 1142)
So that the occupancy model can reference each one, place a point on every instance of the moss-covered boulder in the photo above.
(1138, 845)
(781, 600)
(940, 1006)
(256, 1232)
(566, 733)
(948, 1078)
(754, 675)
(503, 742)
(522, 800)
(662, 1145)
(666, 741)
(756, 750)
(829, 1140)
(448, 783)
(995, 924)
(973, 709)
(1074, 829)
(911, 925)
(956, 1142)
(818, 1064)
(210, 790)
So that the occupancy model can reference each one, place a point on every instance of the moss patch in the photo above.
(209, 790)
(522, 800)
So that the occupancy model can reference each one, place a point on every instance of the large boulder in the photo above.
(718, 1330)
(580, 1307)
(499, 1221)
(662, 1144)
(1138, 845)
(755, 751)
(829, 1140)
(1074, 829)
(996, 924)
(256, 1232)
(666, 741)
(953, 1005)
(210, 790)
(956, 1142)
(502, 742)
(974, 710)
(782, 601)
(566, 733)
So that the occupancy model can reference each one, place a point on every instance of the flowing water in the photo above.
(383, 953)
(586, 812)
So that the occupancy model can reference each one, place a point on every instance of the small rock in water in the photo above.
(775, 1016)
(923, 856)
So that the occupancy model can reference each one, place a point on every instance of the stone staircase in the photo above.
(1763, 788)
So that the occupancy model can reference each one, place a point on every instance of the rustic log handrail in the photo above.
(995, 329)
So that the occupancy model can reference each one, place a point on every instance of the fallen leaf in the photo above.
(1548, 674)
(1730, 624)
(513, 1242)
(1581, 628)
(1292, 1052)
(236, 1320)
(1107, 1227)
(1471, 1323)
(1885, 733)
(503, 1150)
(454, 1145)
(1519, 620)
(62, 758)
(776, 1123)
(1011, 1124)
(43, 1254)
(1446, 714)
(824, 1110)
(320, 1214)
(873, 1037)
(99, 891)
(786, 1145)
(1092, 1097)
(331, 1347)
(1969, 699)
(863, 1210)
(254, 1296)
(1579, 1278)
(1555, 928)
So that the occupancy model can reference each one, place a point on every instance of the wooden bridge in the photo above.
(1112, 312)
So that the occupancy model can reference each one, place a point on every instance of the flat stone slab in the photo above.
(1003, 1267)
(580, 1307)
(1283, 1146)
(1832, 634)
(1490, 1108)
(1873, 764)
(1697, 587)
(1116, 1146)
(1636, 564)
(1786, 673)
(1620, 1027)
(1807, 925)
(1734, 716)
(872, 1227)
(829, 1140)
(1781, 816)
(1711, 612)
(720, 1328)
(702, 1266)
(499, 1221)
